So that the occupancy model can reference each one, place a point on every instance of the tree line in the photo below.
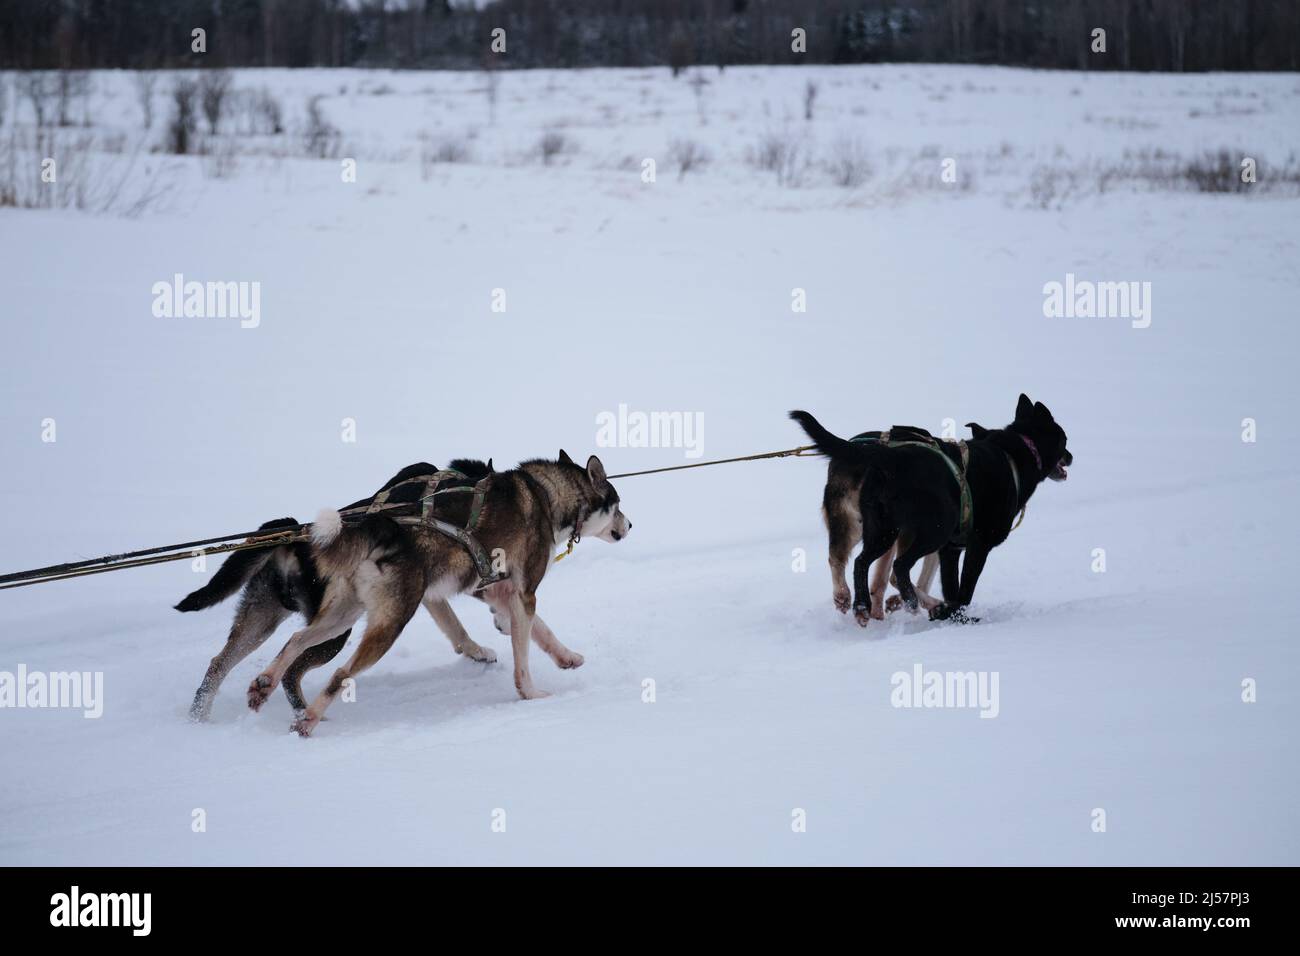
(1164, 35)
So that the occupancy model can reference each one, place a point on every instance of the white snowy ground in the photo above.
(1118, 690)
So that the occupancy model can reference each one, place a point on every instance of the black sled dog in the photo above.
(922, 499)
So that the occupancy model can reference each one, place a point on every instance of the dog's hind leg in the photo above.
(845, 531)
(336, 614)
(929, 564)
(545, 638)
(381, 632)
(455, 632)
(310, 659)
(909, 552)
(879, 580)
(259, 614)
(875, 544)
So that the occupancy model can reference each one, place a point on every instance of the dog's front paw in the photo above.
(842, 599)
(532, 693)
(862, 615)
(476, 652)
(259, 690)
(567, 659)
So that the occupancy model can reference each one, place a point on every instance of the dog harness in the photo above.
(415, 504)
(923, 439)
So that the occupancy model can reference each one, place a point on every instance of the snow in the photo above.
(1119, 690)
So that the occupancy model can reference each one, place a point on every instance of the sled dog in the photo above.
(387, 570)
(911, 502)
(278, 582)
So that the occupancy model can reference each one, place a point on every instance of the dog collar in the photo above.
(1038, 460)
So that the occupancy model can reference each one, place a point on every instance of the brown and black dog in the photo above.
(387, 570)
(910, 501)
(275, 583)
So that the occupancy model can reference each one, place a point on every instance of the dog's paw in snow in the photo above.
(477, 652)
(259, 690)
(950, 612)
(567, 659)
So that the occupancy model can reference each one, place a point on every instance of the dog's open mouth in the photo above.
(1058, 473)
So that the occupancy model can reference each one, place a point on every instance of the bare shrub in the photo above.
(39, 89)
(686, 154)
(492, 87)
(320, 137)
(256, 112)
(443, 149)
(809, 98)
(1215, 172)
(214, 85)
(184, 117)
(848, 164)
(781, 152)
(145, 82)
(72, 86)
(85, 180)
(552, 144)
(220, 157)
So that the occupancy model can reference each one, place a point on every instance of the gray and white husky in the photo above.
(386, 570)
(275, 583)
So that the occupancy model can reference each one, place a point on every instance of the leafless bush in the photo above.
(73, 86)
(492, 86)
(809, 98)
(320, 137)
(145, 83)
(220, 157)
(40, 90)
(214, 85)
(687, 154)
(1215, 172)
(848, 164)
(81, 178)
(256, 112)
(443, 149)
(552, 144)
(781, 152)
(184, 117)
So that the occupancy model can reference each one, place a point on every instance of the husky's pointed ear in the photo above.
(1024, 408)
(596, 472)
(564, 458)
(977, 430)
(1042, 411)
(490, 468)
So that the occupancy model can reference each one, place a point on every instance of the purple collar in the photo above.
(1034, 449)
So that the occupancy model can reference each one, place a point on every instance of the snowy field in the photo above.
(1119, 690)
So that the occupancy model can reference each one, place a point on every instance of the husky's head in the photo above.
(605, 520)
(1045, 438)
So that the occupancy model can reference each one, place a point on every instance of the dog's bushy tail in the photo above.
(834, 447)
(233, 573)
